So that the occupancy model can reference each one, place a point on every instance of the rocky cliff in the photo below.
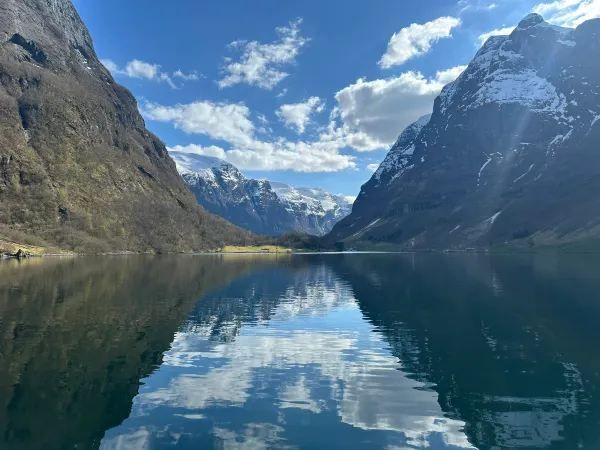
(78, 169)
(509, 155)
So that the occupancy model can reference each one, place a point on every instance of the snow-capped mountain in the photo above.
(314, 208)
(259, 205)
(511, 152)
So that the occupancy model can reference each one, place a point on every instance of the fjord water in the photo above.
(316, 351)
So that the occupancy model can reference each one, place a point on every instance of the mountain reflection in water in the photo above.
(332, 351)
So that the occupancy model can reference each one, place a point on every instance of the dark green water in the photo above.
(310, 352)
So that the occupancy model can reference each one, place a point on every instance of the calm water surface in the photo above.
(309, 352)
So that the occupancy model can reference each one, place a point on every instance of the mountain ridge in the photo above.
(261, 206)
(507, 157)
(78, 168)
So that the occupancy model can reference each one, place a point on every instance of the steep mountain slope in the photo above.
(258, 205)
(78, 169)
(510, 153)
(316, 211)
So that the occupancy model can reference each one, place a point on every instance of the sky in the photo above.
(310, 93)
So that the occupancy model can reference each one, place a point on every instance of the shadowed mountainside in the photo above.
(509, 155)
(78, 169)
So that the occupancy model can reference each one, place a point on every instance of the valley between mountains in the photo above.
(509, 156)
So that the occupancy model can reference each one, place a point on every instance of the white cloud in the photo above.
(261, 64)
(192, 76)
(297, 115)
(186, 164)
(569, 13)
(497, 32)
(232, 123)
(476, 5)
(228, 122)
(381, 109)
(111, 66)
(372, 167)
(147, 71)
(298, 156)
(211, 150)
(141, 69)
(369, 115)
(416, 40)
(447, 76)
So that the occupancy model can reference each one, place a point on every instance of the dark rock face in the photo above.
(78, 169)
(509, 155)
(258, 205)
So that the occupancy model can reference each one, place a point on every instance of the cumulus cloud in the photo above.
(192, 76)
(141, 69)
(232, 123)
(194, 149)
(148, 71)
(297, 115)
(185, 163)
(261, 64)
(497, 32)
(569, 13)
(381, 109)
(476, 5)
(298, 156)
(368, 116)
(416, 40)
(228, 122)
(372, 167)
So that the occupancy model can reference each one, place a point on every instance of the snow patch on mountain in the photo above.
(397, 160)
(504, 74)
(313, 201)
(511, 145)
(525, 88)
(259, 205)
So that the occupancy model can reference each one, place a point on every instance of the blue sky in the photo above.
(312, 92)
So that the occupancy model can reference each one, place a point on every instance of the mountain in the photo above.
(258, 205)
(316, 210)
(510, 153)
(78, 169)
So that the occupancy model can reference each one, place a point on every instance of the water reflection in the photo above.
(346, 351)
(76, 336)
(509, 342)
(283, 358)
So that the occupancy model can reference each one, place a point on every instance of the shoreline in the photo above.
(4, 257)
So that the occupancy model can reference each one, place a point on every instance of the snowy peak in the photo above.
(510, 151)
(258, 205)
(517, 70)
(397, 160)
(530, 20)
(312, 201)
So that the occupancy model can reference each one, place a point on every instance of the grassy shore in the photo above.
(13, 247)
(255, 249)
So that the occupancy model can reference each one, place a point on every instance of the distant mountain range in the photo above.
(510, 155)
(260, 206)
